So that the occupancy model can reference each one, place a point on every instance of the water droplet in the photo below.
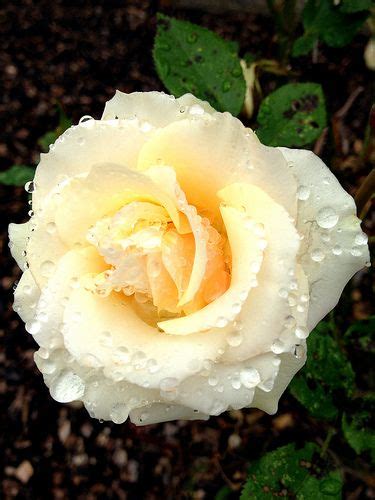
(299, 351)
(46, 268)
(356, 252)
(33, 327)
(86, 120)
(301, 332)
(283, 293)
(226, 86)
(277, 346)
(67, 387)
(234, 338)
(213, 380)
(192, 37)
(146, 127)
(327, 218)
(236, 383)
(303, 193)
(119, 413)
(182, 109)
(317, 255)
(30, 187)
(249, 377)
(168, 384)
(221, 322)
(361, 239)
(51, 227)
(337, 250)
(196, 109)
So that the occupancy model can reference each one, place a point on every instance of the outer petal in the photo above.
(81, 146)
(331, 254)
(18, 237)
(156, 413)
(264, 313)
(213, 151)
(290, 364)
(26, 297)
(155, 108)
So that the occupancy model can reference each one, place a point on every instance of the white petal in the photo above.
(330, 255)
(213, 151)
(26, 297)
(246, 261)
(18, 237)
(163, 412)
(263, 314)
(155, 108)
(81, 146)
(268, 401)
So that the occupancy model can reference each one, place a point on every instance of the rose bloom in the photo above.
(173, 265)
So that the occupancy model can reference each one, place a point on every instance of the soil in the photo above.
(78, 53)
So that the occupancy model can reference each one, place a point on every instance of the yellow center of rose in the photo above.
(152, 262)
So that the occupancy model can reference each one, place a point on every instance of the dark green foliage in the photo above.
(332, 24)
(189, 58)
(327, 370)
(17, 175)
(287, 471)
(292, 115)
(50, 137)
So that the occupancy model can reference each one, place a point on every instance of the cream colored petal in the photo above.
(165, 178)
(290, 364)
(26, 297)
(228, 386)
(84, 145)
(213, 151)
(103, 192)
(246, 262)
(18, 237)
(67, 275)
(264, 313)
(154, 108)
(334, 247)
(127, 347)
(156, 413)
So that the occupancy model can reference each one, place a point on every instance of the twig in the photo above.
(365, 193)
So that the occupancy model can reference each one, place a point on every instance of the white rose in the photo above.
(174, 265)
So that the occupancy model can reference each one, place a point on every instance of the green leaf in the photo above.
(334, 25)
(224, 493)
(288, 471)
(349, 6)
(189, 58)
(17, 175)
(327, 370)
(361, 335)
(358, 434)
(304, 44)
(292, 115)
(50, 137)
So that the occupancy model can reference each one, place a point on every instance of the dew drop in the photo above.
(212, 380)
(51, 227)
(33, 327)
(67, 387)
(327, 218)
(299, 351)
(277, 346)
(236, 383)
(317, 255)
(249, 377)
(86, 119)
(337, 250)
(301, 332)
(221, 322)
(234, 338)
(30, 187)
(46, 268)
(119, 413)
(356, 252)
(196, 109)
(303, 193)
(361, 239)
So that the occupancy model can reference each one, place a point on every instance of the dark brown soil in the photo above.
(77, 53)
